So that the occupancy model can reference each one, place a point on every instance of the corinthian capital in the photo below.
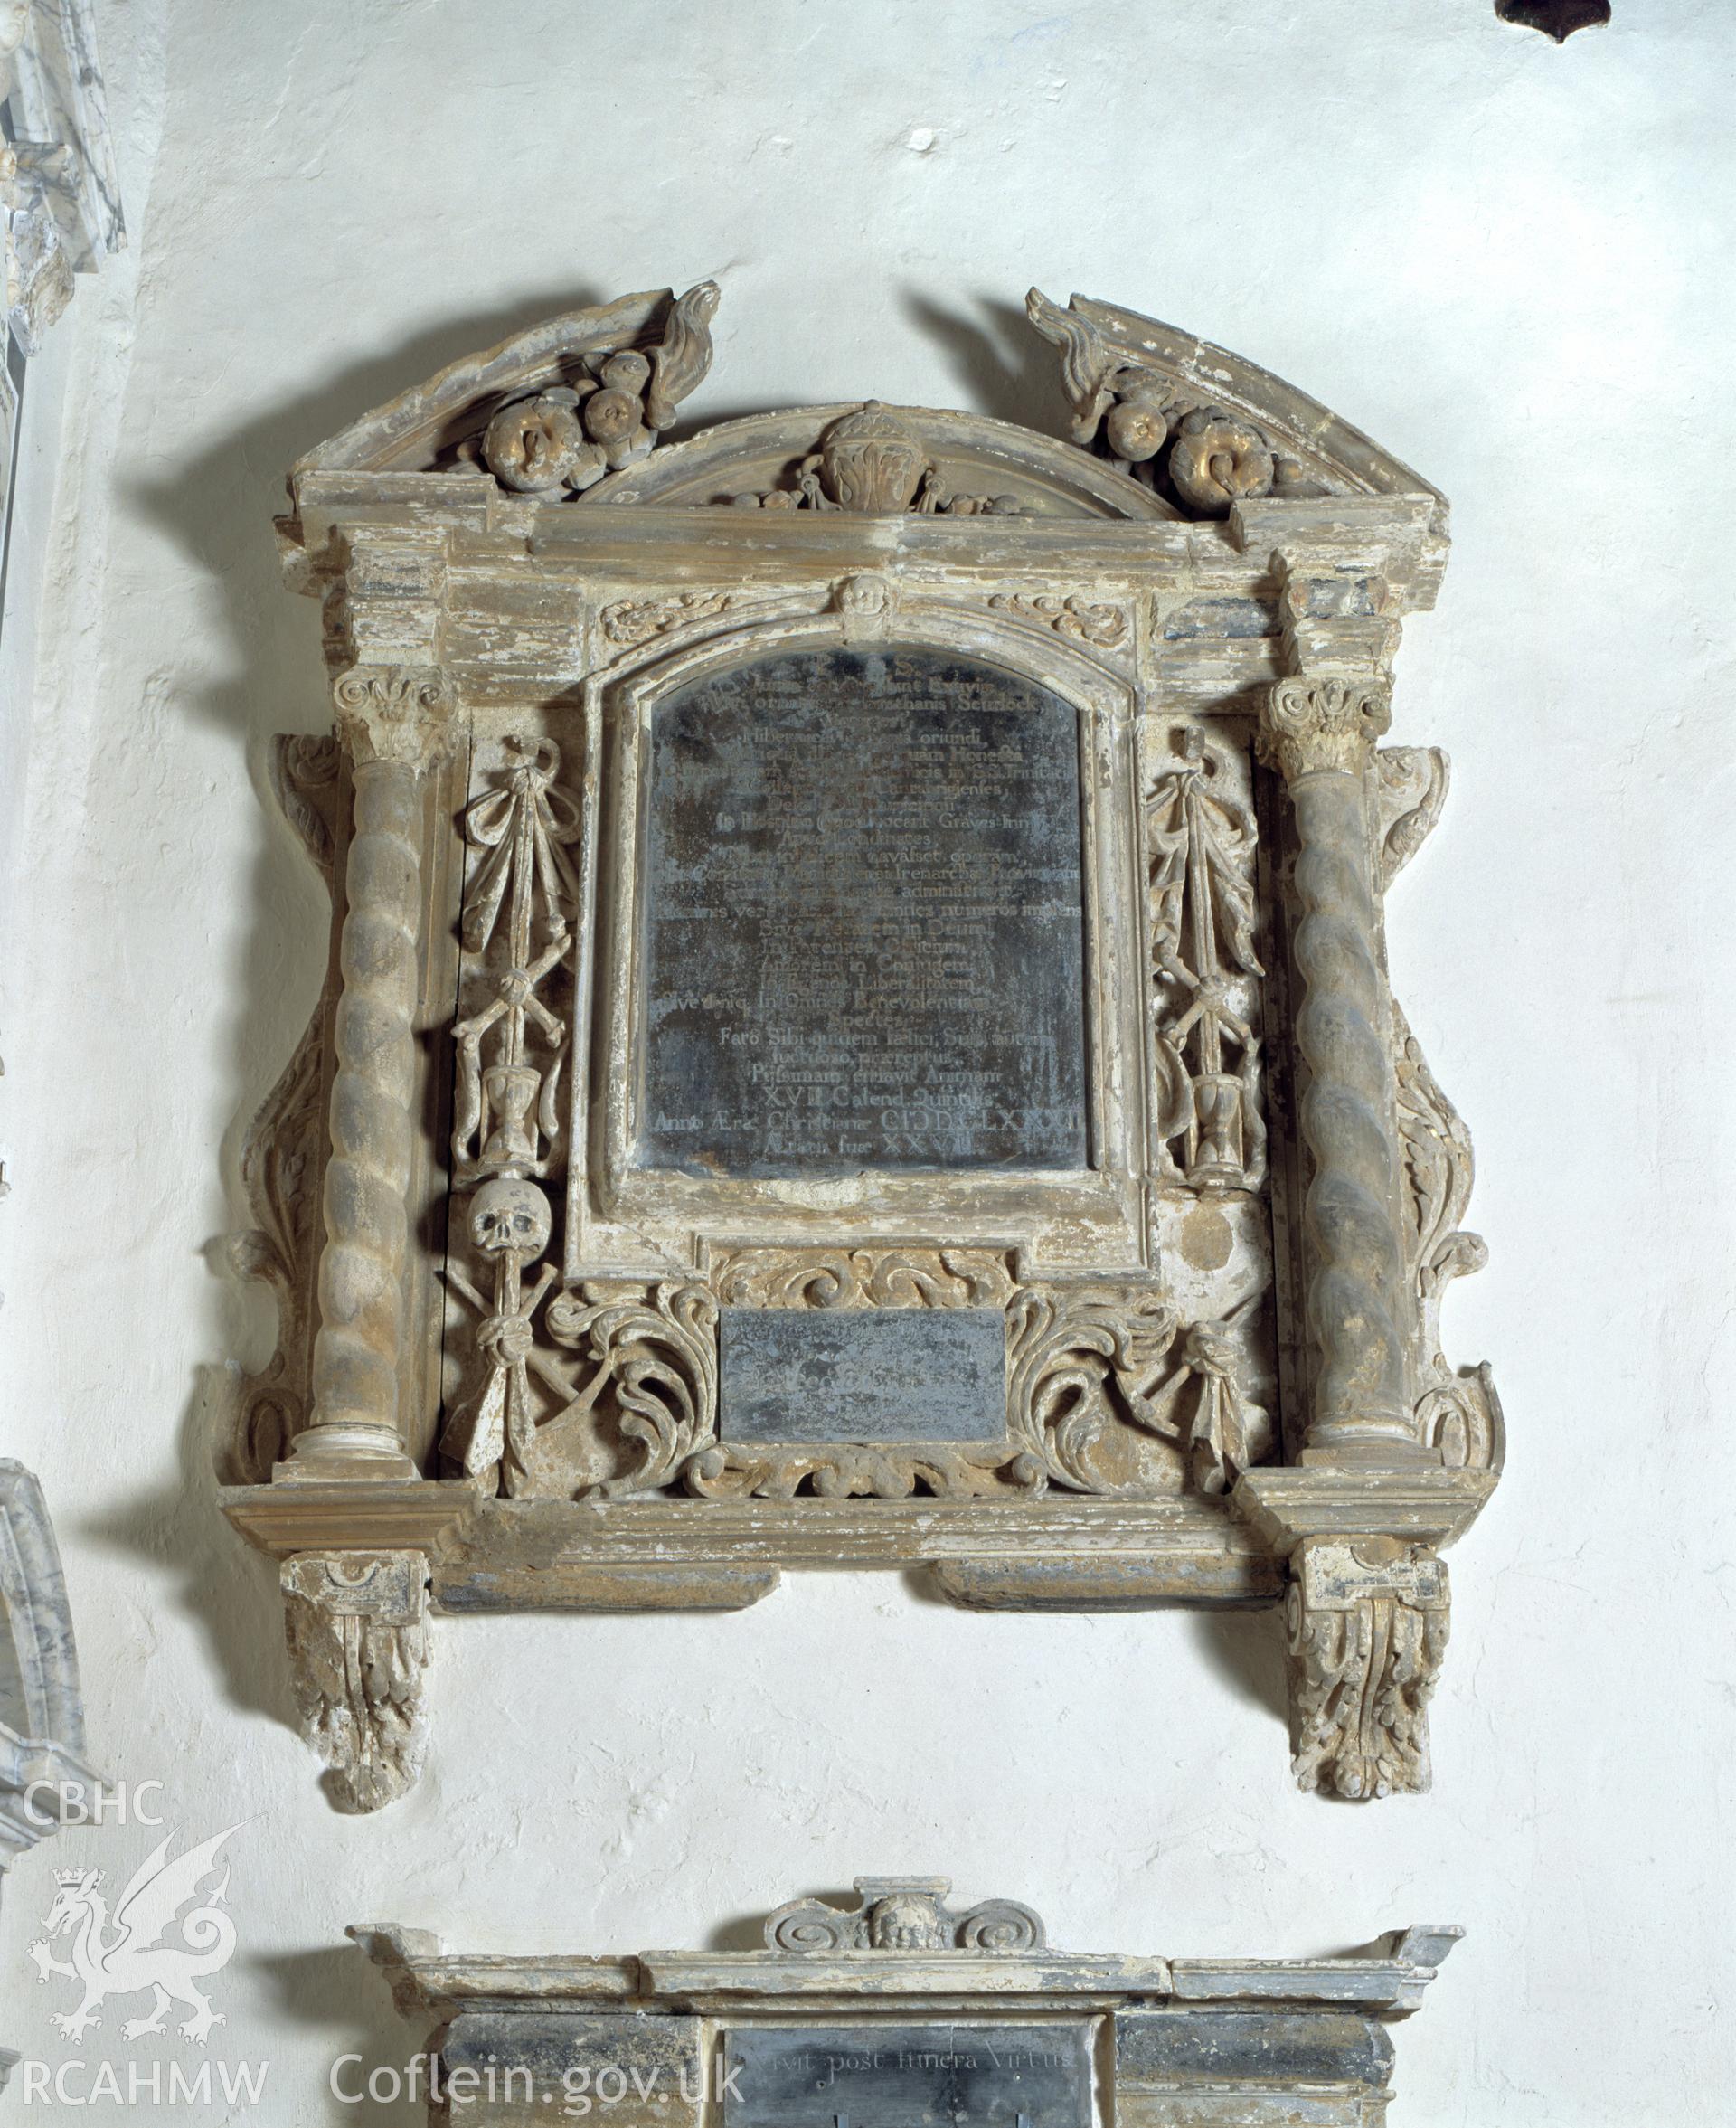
(1310, 725)
(394, 712)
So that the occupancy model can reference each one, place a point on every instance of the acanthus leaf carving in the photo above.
(840, 1472)
(1086, 1369)
(397, 713)
(1459, 1413)
(649, 1362)
(863, 1278)
(903, 1915)
(1367, 1628)
(630, 622)
(1410, 794)
(1201, 838)
(1313, 725)
(282, 1152)
(357, 1629)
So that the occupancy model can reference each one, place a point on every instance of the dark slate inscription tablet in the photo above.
(984, 2075)
(863, 922)
(868, 1375)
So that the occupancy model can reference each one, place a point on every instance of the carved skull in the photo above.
(510, 1217)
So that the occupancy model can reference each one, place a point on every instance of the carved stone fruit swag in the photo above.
(858, 1030)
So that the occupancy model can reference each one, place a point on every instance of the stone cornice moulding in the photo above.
(1223, 2041)
(499, 1379)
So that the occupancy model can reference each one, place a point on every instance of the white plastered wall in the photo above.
(1511, 264)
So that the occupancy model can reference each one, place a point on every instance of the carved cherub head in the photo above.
(906, 1922)
(509, 1216)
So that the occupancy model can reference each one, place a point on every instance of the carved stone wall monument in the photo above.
(859, 1029)
(905, 2009)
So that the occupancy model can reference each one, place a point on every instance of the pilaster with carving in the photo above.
(1320, 732)
(393, 722)
(356, 1624)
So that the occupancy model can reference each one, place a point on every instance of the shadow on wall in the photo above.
(218, 512)
(350, 2017)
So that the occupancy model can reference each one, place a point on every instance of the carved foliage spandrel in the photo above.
(646, 1393)
(357, 1629)
(1115, 1394)
(282, 1152)
(1458, 1410)
(1206, 972)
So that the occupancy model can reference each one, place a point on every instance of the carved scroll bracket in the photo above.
(357, 1629)
(1367, 1630)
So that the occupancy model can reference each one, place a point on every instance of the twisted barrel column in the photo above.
(1320, 734)
(394, 722)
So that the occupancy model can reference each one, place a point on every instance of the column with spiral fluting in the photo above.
(1320, 733)
(393, 721)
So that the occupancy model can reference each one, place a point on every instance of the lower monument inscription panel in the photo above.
(939, 2075)
(874, 1375)
(863, 922)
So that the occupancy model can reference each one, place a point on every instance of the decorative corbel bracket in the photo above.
(357, 1628)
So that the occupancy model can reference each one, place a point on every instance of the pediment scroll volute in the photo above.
(903, 1914)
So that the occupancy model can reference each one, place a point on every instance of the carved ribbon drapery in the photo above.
(1320, 733)
(506, 1117)
(1201, 841)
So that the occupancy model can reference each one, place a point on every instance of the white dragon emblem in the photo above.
(128, 1956)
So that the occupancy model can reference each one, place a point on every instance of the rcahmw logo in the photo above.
(77, 2083)
(128, 1954)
